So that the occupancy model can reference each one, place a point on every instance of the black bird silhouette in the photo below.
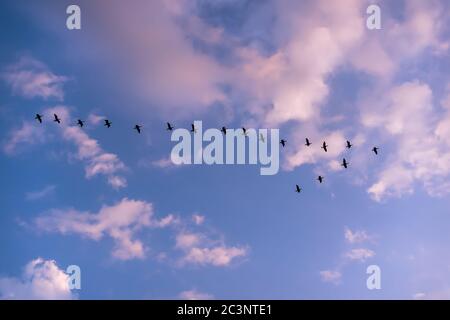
(80, 123)
(344, 163)
(297, 188)
(137, 128)
(320, 178)
(307, 142)
(283, 142)
(56, 118)
(244, 131)
(349, 145)
(169, 126)
(193, 128)
(38, 117)
(224, 130)
(375, 150)
(107, 123)
(324, 146)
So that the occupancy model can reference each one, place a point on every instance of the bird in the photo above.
(297, 188)
(107, 123)
(193, 128)
(224, 130)
(169, 126)
(375, 150)
(349, 145)
(38, 117)
(307, 142)
(261, 137)
(244, 131)
(80, 123)
(344, 163)
(56, 118)
(283, 142)
(320, 178)
(137, 128)
(324, 146)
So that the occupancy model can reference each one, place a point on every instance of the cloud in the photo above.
(195, 295)
(41, 279)
(96, 160)
(199, 249)
(198, 219)
(31, 78)
(360, 254)
(418, 145)
(357, 236)
(27, 134)
(36, 195)
(331, 276)
(216, 256)
(120, 221)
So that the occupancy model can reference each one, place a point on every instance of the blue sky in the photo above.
(139, 227)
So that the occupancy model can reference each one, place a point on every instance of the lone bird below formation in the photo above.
(320, 178)
(137, 128)
(56, 118)
(169, 126)
(324, 146)
(38, 117)
(224, 130)
(297, 188)
(349, 145)
(108, 123)
(375, 150)
(80, 123)
(307, 142)
(344, 163)
(283, 142)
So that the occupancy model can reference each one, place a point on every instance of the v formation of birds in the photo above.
(170, 127)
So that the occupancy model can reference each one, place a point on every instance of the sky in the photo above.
(112, 202)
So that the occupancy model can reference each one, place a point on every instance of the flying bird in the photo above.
(80, 123)
(244, 131)
(283, 142)
(261, 137)
(137, 128)
(193, 128)
(344, 163)
(107, 123)
(324, 146)
(375, 150)
(307, 142)
(224, 130)
(169, 126)
(320, 178)
(297, 188)
(349, 145)
(38, 117)
(56, 118)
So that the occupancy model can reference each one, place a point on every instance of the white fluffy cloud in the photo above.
(357, 236)
(360, 254)
(419, 152)
(331, 276)
(31, 78)
(199, 249)
(28, 133)
(120, 221)
(41, 279)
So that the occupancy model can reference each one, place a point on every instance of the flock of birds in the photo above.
(170, 127)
